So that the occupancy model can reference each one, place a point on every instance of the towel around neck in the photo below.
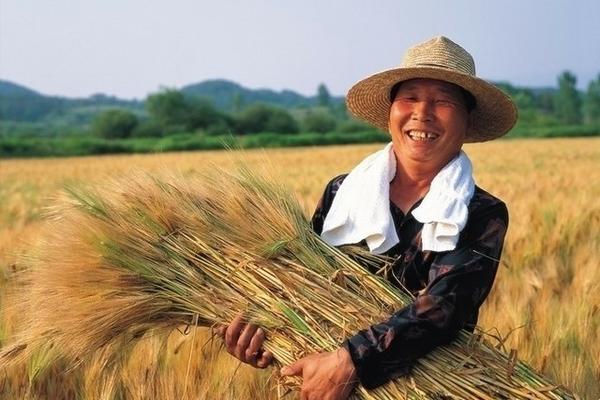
(361, 207)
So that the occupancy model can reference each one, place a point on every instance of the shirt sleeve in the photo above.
(458, 283)
(325, 202)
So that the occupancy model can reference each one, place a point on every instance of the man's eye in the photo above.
(408, 98)
(444, 102)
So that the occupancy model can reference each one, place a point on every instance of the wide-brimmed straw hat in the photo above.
(438, 58)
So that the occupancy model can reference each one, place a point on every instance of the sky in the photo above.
(130, 48)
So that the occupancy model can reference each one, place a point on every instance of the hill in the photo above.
(230, 96)
(22, 104)
(12, 89)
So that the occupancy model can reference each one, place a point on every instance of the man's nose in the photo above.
(423, 110)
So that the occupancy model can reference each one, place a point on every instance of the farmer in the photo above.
(415, 201)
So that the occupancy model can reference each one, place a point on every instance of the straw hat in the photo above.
(438, 58)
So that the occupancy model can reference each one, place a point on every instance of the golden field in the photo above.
(545, 301)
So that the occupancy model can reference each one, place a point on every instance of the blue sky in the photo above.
(130, 48)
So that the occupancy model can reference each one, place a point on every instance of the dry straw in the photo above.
(150, 255)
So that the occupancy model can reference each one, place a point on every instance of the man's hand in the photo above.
(244, 342)
(325, 376)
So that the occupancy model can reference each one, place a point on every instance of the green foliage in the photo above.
(28, 108)
(60, 146)
(25, 129)
(176, 112)
(545, 102)
(115, 123)
(203, 115)
(567, 103)
(319, 121)
(353, 125)
(85, 145)
(238, 102)
(591, 105)
(311, 139)
(553, 131)
(147, 129)
(184, 120)
(168, 107)
(224, 126)
(323, 96)
(20, 104)
(231, 97)
(280, 121)
(264, 118)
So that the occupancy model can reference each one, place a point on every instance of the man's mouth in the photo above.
(422, 136)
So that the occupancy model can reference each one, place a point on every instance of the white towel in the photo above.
(444, 210)
(361, 207)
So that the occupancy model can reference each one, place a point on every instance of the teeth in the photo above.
(422, 135)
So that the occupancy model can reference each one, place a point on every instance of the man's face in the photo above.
(428, 121)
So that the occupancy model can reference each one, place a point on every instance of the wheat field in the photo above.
(545, 302)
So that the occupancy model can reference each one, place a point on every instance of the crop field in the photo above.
(545, 303)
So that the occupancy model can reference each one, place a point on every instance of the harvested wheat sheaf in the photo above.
(148, 254)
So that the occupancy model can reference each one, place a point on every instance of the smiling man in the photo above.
(414, 201)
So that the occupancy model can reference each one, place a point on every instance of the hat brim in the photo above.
(493, 116)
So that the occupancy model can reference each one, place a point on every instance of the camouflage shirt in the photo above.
(449, 287)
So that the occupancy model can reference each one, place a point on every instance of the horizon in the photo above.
(131, 50)
(225, 80)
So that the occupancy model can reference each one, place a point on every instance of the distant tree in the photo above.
(264, 118)
(533, 108)
(222, 127)
(319, 121)
(168, 108)
(238, 102)
(202, 114)
(524, 99)
(281, 121)
(147, 128)
(339, 110)
(253, 119)
(352, 125)
(525, 103)
(545, 102)
(591, 105)
(175, 111)
(567, 103)
(323, 96)
(113, 124)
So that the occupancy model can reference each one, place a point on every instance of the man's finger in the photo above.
(233, 331)
(256, 343)
(294, 369)
(265, 358)
(244, 341)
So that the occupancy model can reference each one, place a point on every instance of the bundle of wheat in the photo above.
(147, 254)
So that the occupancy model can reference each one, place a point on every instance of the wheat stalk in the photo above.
(147, 254)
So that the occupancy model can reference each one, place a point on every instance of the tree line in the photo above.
(171, 111)
(565, 105)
